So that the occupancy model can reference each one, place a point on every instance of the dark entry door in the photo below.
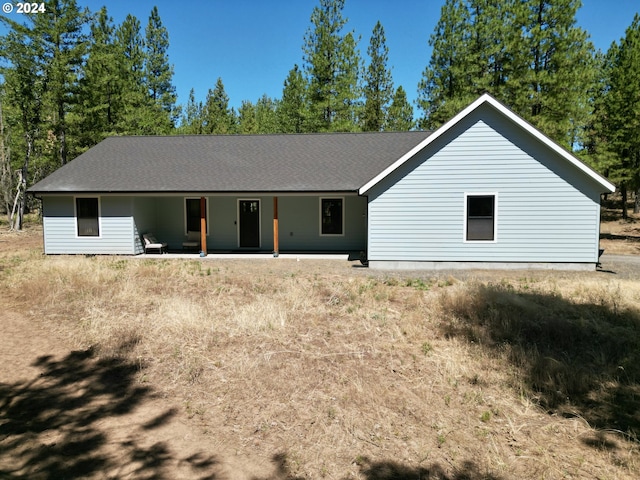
(249, 218)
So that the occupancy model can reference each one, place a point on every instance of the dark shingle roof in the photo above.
(231, 163)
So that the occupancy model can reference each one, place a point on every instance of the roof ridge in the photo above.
(236, 135)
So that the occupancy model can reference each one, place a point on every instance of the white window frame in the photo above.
(75, 216)
(344, 210)
(184, 204)
(495, 216)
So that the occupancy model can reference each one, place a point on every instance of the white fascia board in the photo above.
(486, 98)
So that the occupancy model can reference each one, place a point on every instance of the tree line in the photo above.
(71, 77)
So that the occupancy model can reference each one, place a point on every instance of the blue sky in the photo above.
(252, 44)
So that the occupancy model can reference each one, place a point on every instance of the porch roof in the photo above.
(329, 162)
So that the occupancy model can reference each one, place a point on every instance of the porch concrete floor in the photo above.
(241, 255)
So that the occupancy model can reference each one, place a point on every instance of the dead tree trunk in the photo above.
(5, 170)
(623, 192)
(17, 212)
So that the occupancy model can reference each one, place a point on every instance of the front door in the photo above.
(249, 223)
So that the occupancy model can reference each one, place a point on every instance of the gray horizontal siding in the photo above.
(547, 211)
(60, 227)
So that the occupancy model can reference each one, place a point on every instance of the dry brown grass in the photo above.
(342, 374)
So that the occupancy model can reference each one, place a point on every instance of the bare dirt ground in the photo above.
(93, 417)
(96, 418)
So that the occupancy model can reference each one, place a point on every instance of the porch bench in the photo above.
(150, 243)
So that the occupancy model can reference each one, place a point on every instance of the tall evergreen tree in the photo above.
(292, 111)
(218, 118)
(332, 64)
(24, 88)
(158, 71)
(378, 84)
(63, 45)
(556, 61)
(140, 114)
(528, 54)
(247, 123)
(443, 89)
(192, 120)
(99, 105)
(622, 112)
(400, 114)
(266, 114)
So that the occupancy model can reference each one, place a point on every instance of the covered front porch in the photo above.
(260, 224)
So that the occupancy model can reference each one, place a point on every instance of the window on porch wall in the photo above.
(331, 210)
(192, 206)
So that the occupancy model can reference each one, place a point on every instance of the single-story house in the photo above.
(484, 190)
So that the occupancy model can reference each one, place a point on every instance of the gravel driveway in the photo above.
(622, 266)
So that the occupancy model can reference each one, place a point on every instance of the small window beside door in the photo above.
(480, 218)
(331, 216)
(87, 216)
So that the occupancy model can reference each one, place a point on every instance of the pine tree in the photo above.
(556, 70)
(218, 118)
(292, 111)
(332, 64)
(63, 45)
(192, 120)
(378, 84)
(140, 114)
(443, 89)
(400, 114)
(247, 123)
(528, 54)
(266, 114)
(622, 112)
(158, 71)
(99, 105)
(25, 88)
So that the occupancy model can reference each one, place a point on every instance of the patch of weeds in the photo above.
(418, 284)
(447, 282)
(485, 417)
(447, 400)
(426, 348)
(441, 438)
(391, 282)
(119, 264)
(380, 317)
(368, 285)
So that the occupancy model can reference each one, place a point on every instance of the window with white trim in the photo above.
(87, 216)
(331, 216)
(481, 218)
(193, 215)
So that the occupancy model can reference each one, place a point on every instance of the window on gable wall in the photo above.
(481, 217)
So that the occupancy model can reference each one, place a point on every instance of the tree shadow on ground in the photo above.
(51, 425)
(575, 358)
(390, 470)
